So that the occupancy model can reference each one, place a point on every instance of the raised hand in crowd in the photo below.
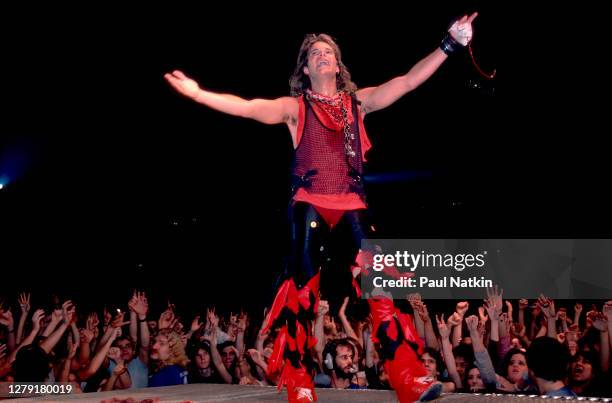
(24, 303)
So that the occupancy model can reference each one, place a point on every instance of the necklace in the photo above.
(332, 104)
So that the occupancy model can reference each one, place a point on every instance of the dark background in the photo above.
(114, 182)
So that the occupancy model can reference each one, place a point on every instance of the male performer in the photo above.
(324, 115)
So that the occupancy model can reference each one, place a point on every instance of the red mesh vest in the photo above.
(321, 164)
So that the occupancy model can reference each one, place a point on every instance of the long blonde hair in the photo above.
(177, 349)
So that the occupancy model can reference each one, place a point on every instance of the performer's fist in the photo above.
(461, 30)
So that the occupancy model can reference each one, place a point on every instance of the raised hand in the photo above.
(120, 368)
(442, 328)
(243, 320)
(600, 321)
(492, 312)
(578, 308)
(494, 303)
(118, 321)
(323, 308)
(547, 306)
(413, 298)
(255, 355)
(472, 323)
(562, 315)
(213, 319)
(37, 317)
(139, 304)
(590, 316)
(57, 315)
(421, 310)
(166, 320)
(461, 30)
(211, 331)
(86, 335)
(68, 312)
(24, 302)
(523, 304)
(330, 326)
(92, 321)
(462, 308)
(482, 315)
(454, 320)
(196, 324)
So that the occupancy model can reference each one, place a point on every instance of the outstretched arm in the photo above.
(376, 98)
(68, 315)
(24, 303)
(139, 306)
(211, 336)
(430, 337)
(98, 359)
(36, 318)
(274, 111)
(447, 352)
(346, 325)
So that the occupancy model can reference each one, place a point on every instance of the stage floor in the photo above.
(248, 394)
(217, 393)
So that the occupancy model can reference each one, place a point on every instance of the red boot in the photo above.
(407, 375)
(297, 308)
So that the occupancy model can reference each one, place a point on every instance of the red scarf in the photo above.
(330, 112)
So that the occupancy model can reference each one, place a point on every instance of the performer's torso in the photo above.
(320, 156)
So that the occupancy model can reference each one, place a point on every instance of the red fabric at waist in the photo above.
(330, 207)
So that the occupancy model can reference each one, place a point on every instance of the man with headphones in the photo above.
(340, 363)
